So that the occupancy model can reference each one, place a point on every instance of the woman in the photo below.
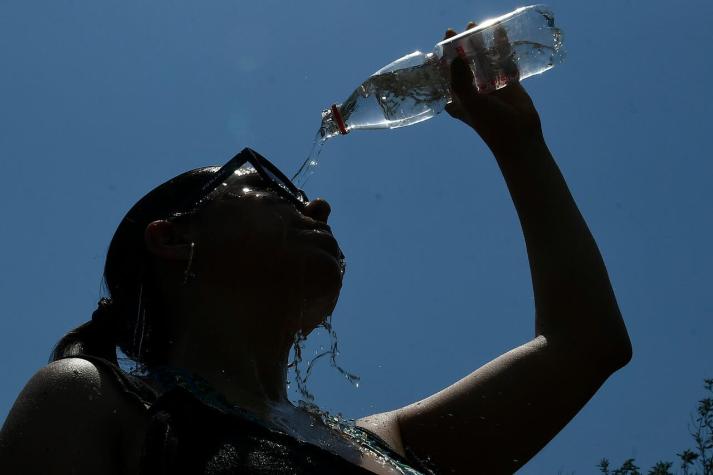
(213, 276)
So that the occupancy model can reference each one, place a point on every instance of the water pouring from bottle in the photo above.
(416, 87)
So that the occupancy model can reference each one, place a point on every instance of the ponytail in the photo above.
(96, 337)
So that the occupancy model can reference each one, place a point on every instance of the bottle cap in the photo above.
(338, 117)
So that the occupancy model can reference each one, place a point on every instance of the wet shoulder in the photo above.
(73, 387)
(385, 427)
(122, 403)
(73, 414)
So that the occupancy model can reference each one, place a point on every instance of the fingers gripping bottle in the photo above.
(416, 87)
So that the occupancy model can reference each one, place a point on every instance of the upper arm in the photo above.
(63, 421)
(498, 417)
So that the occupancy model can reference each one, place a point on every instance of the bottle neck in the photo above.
(337, 115)
(333, 122)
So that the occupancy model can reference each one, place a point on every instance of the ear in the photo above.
(164, 240)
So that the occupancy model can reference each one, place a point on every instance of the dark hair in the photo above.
(131, 317)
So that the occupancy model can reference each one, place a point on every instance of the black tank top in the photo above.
(187, 435)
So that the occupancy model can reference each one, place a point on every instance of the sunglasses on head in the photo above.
(236, 168)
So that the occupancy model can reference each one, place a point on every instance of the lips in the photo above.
(317, 226)
(323, 238)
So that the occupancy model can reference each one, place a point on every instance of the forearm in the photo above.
(574, 299)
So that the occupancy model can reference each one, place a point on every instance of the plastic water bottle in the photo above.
(416, 87)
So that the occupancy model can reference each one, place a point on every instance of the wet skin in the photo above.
(265, 271)
(251, 238)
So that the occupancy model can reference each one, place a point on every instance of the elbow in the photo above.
(607, 349)
(599, 357)
(623, 353)
(613, 351)
(612, 345)
(619, 344)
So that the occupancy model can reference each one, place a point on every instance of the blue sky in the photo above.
(101, 101)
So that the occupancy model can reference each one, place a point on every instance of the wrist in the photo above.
(518, 145)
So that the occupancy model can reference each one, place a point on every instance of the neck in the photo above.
(247, 363)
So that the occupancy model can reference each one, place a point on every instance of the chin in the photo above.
(313, 318)
(324, 284)
(320, 272)
(320, 294)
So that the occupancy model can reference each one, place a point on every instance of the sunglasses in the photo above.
(236, 168)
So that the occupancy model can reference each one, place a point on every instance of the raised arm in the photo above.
(498, 417)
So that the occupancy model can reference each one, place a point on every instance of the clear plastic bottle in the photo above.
(416, 87)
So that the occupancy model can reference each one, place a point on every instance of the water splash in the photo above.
(347, 428)
(129, 365)
(284, 421)
(334, 351)
(300, 380)
(302, 376)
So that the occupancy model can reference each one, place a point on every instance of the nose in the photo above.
(318, 209)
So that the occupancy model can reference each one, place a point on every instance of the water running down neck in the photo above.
(302, 375)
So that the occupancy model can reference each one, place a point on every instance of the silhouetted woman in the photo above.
(213, 274)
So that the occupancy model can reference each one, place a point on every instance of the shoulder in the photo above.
(72, 386)
(69, 386)
(67, 375)
(385, 426)
(70, 415)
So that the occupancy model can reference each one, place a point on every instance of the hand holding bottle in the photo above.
(505, 118)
